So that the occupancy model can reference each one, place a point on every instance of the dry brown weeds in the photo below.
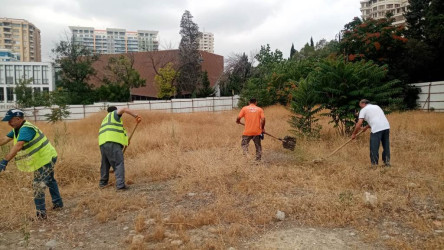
(209, 186)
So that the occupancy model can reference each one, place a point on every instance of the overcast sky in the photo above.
(238, 25)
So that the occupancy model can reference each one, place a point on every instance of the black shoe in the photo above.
(387, 165)
(41, 215)
(103, 185)
(124, 188)
(57, 206)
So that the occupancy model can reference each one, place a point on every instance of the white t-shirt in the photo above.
(375, 117)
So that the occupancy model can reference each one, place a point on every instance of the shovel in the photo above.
(288, 142)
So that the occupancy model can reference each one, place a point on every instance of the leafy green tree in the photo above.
(58, 104)
(74, 68)
(205, 90)
(26, 97)
(112, 92)
(425, 27)
(376, 40)
(342, 84)
(189, 56)
(164, 80)
(305, 106)
(123, 75)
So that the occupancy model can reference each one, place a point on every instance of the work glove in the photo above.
(262, 136)
(3, 165)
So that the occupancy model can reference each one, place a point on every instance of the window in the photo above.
(2, 75)
(28, 72)
(45, 79)
(37, 90)
(37, 75)
(10, 94)
(18, 73)
(9, 74)
(2, 94)
(45, 89)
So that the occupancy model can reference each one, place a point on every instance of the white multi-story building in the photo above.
(42, 75)
(206, 43)
(378, 9)
(115, 41)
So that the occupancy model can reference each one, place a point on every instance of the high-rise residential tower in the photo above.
(206, 43)
(115, 41)
(378, 9)
(20, 38)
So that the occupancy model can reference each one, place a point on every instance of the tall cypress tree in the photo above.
(311, 42)
(189, 56)
(292, 51)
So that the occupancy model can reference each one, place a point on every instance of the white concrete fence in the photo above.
(431, 96)
(77, 112)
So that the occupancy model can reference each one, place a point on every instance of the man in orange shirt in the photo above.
(254, 126)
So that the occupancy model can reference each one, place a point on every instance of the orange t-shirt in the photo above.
(252, 115)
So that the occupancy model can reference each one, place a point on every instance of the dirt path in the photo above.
(65, 229)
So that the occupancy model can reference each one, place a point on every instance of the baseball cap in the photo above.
(13, 113)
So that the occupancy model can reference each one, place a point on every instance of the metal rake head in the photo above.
(289, 142)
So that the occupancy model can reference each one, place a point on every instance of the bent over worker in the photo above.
(33, 153)
(254, 126)
(380, 131)
(112, 140)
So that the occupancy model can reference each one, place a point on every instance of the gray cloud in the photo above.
(238, 25)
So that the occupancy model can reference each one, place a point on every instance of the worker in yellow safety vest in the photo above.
(33, 153)
(112, 139)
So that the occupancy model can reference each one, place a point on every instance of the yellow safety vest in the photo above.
(112, 131)
(35, 153)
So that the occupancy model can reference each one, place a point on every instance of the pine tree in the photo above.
(311, 42)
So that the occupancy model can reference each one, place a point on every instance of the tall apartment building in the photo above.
(21, 38)
(378, 9)
(115, 41)
(206, 43)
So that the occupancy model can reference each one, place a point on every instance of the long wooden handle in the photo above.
(131, 136)
(277, 138)
(343, 145)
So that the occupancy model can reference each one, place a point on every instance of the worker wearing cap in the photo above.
(380, 131)
(254, 127)
(33, 153)
(112, 139)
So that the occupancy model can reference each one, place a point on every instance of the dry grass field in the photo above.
(191, 188)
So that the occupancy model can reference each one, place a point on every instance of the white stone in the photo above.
(150, 222)
(370, 200)
(138, 239)
(176, 242)
(280, 215)
(51, 244)
(41, 230)
(191, 194)
(125, 228)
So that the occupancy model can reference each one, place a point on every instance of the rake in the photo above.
(288, 142)
(336, 150)
(131, 135)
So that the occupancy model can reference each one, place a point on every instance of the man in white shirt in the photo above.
(380, 131)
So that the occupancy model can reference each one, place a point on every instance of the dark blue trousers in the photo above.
(381, 137)
(44, 177)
